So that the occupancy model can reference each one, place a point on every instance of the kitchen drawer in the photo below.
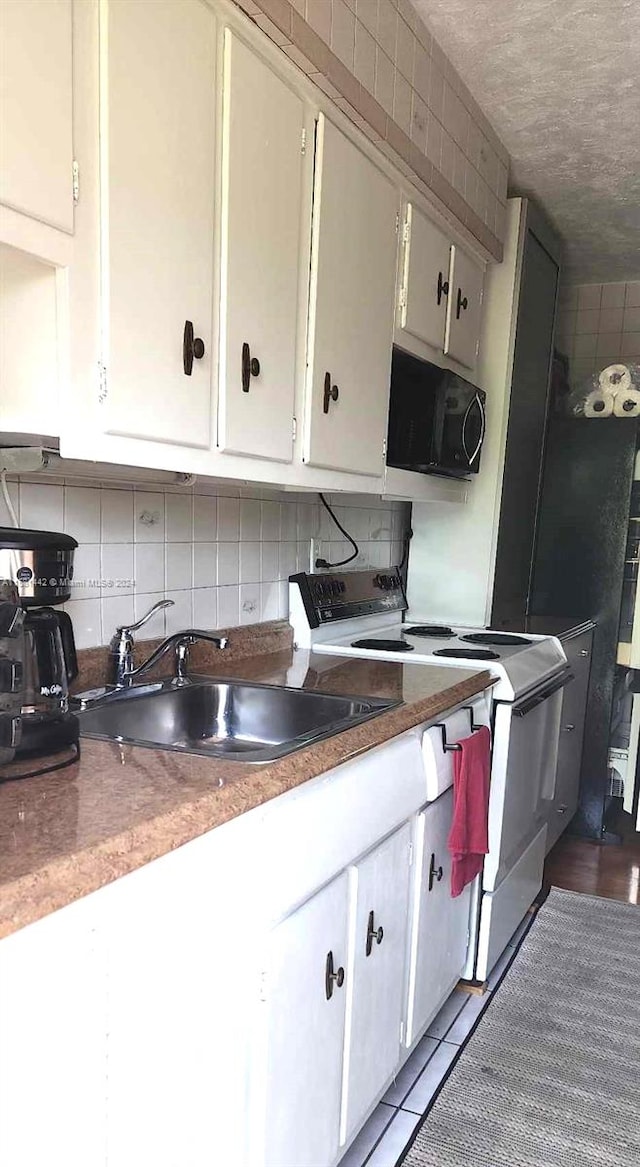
(505, 907)
(309, 834)
(438, 762)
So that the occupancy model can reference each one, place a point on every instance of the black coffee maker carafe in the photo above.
(40, 566)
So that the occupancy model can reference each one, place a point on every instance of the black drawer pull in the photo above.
(443, 287)
(250, 367)
(192, 348)
(461, 304)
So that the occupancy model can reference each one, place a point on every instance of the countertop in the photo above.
(65, 834)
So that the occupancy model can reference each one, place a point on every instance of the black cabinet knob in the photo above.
(250, 367)
(461, 303)
(435, 873)
(331, 393)
(373, 933)
(443, 287)
(331, 977)
(192, 348)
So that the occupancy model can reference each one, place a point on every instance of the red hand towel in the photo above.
(468, 840)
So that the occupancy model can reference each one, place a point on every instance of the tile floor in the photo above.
(384, 1138)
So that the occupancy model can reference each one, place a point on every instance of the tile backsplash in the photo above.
(598, 325)
(383, 68)
(223, 555)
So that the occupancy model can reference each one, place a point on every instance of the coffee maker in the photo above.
(38, 565)
(11, 670)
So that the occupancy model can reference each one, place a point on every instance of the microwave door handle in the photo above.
(476, 400)
(462, 432)
(483, 425)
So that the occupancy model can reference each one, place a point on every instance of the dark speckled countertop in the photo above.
(65, 834)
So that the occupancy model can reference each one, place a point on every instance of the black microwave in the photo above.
(437, 420)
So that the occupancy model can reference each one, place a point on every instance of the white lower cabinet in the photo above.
(440, 924)
(303, 996)
(191, 1013)
(379, 910)
(53, 1041)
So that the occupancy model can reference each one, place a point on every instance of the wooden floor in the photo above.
(612, 871)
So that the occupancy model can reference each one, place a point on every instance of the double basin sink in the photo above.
(224, 719)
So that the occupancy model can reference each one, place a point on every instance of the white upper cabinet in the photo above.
(439, 292)
(465, 306)
(264, 153)
(157, 135)
(36, 123)
(375, 980)
(351, 307)
(424, 278)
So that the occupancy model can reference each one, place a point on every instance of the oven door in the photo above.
(523, 774)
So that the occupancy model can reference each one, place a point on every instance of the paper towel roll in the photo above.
(615, 377)
(599, 403)
(627, 403)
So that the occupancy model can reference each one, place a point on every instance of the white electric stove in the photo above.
(362, 614)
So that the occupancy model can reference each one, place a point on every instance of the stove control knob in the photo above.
(386, 582)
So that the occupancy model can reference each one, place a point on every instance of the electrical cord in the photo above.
(405, 550)
(323, 563)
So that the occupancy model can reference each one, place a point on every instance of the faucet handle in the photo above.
(147, 616)
(122, 640)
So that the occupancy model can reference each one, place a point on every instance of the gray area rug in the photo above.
(551, 1078)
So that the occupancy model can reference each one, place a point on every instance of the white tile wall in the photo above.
(223, 558)
(598, 325)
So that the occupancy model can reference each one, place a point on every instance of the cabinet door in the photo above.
(440, 924)
(157, 140)
(572, 721)
(36, 126)
(262, 171)
(424, 285)
(53, 1041)
(375, 991)
(299, 1089)
(353, 266)
(464, 308)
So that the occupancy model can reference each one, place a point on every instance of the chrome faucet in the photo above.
(122, 644)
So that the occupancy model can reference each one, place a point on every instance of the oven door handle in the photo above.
(523, 707)
(476, 400)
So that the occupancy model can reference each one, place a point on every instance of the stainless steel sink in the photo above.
(224, 719)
